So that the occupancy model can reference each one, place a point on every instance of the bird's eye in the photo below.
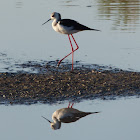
(52, 15)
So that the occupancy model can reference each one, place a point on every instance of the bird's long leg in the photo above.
(72, 50)
(71, 105)
(75, 43)
(69, 53)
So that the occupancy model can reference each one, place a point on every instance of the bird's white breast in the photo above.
(63, 29)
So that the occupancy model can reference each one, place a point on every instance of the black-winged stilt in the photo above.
(66, 115)
(69, 27)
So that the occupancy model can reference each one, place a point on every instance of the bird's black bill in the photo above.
(46, 22)
(46, 119)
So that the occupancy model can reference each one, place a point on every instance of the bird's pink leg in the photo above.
(69, 53)
(72, 50)
(71, 105)
(75, 43)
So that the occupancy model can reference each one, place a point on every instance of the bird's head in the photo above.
(54, 125)
(53, 16)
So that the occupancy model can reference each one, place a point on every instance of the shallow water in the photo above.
(23, 38)
(119, 119)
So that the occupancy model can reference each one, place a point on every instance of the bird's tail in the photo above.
(94, 29)
(88, 113)
(83, 114)
(94, 112)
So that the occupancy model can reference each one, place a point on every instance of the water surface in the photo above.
(23, 38)
(119, 119)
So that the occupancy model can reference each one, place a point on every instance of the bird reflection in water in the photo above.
(66, 115)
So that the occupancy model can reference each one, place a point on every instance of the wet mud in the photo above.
(48, 84)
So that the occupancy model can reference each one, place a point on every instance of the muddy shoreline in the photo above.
(52, 86)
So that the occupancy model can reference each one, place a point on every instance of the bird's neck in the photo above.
(55, 120)
(55, 21)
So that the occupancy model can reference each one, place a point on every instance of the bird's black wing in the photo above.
(74, 24)
(70, 118)
(68, 22)
(75, 117)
